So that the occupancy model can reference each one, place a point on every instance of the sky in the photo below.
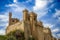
(48, 11)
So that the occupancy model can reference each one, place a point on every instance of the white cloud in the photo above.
(11, 5)
(26, 1)
(41, 13)
(16, 10)
(16, 7)
(15, 1)
(48, 25)
(58, 35)
(57, 14)
(55, 30)
(41, 7)
(3, 18)
(2, 32)
(3, 22)
(40, 4)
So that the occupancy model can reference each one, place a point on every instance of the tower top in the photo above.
(25, 10)
(10, 13)
(33, 14)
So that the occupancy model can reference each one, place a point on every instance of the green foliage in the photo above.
(17, 34)
(12, 35)
(2, 37)
(11, 38)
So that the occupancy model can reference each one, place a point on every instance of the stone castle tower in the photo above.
(30, 26)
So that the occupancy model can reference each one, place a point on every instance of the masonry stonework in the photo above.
(30, 26)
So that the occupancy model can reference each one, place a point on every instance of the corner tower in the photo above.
(10, 16)
(26, 23)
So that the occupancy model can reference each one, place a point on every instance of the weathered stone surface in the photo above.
(30, 26)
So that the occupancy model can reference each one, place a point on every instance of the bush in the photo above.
(17, 34)
(11, 38)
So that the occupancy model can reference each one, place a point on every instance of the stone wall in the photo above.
(16, 26)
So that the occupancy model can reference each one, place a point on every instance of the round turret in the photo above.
(25, 15)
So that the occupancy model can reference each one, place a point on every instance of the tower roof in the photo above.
(25, 10)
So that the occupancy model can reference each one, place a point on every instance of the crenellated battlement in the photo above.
(12, 20)
(29, 15)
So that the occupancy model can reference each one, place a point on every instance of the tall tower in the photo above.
(26, 24)
(33, 21)
(10, 16)
(25, 15)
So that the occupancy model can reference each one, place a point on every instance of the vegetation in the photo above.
(11, 38)
(15, 35)
(2, 37)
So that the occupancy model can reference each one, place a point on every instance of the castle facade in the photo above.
(30, 26)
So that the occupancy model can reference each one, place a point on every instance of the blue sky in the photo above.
(48, 12)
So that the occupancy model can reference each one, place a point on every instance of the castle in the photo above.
(30, 26)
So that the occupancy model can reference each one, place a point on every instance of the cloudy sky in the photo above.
(48, 12)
